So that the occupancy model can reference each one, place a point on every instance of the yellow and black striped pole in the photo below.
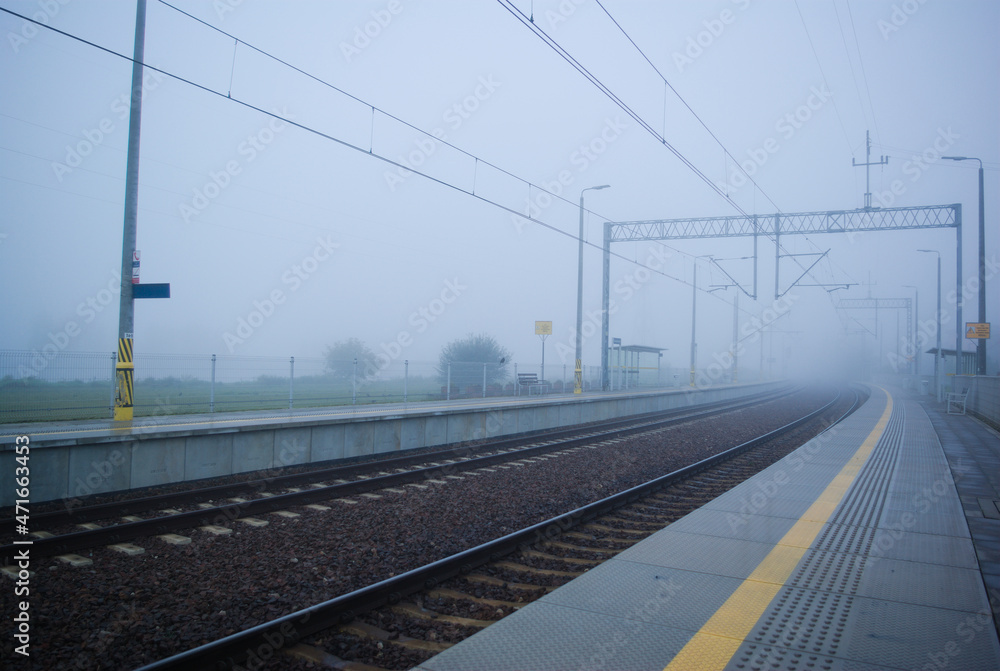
(124, 370)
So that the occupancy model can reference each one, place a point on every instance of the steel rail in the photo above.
(263, 641)
(219, 515)
(79, 515)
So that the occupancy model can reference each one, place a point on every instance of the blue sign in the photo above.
(151, 290)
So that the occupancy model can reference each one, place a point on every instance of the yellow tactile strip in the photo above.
(721, 636)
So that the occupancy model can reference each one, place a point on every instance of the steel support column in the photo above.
(605, 305)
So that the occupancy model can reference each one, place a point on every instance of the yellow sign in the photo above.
(977, 330)
(543, 328)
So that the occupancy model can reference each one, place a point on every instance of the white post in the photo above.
(211, 393)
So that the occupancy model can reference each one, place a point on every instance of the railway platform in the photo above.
(875, 546)
(72, 460)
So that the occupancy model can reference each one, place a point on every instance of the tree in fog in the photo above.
(467, 356)
(340, 359)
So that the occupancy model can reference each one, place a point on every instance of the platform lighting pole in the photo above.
(694, 303)
(937, 356)
(736, 333)
(981, 342)
(578, 385)
(760, 369)
(916, 327)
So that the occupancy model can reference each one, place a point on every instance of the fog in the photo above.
(283, 233)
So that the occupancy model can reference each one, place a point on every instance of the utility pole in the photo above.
(694, 303)
(578, 384)
(938, 355)
(884, 160)
(915, 343)
(981, 342)
(124, 368)
(736, 334)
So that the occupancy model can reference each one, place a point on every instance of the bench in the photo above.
(956, 402)
(531, 381)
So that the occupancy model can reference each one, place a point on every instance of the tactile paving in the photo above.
(849, 600)
(846, 564)
(807, 618)
(802, 626)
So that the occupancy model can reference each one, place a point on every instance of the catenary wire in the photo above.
(579, 67)
(357, 148)
(686, 105)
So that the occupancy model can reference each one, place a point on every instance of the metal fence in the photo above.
(50, 386)
(53, 385)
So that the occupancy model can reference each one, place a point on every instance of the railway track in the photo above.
(214, 508)
(399, 622)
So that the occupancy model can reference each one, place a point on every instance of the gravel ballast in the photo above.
(126, 611)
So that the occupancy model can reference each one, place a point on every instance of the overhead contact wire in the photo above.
(356, 148)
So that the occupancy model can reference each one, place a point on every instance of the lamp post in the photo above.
(694, 303)
(916, 328)
(578, 386)
(937, 356)
(981, 342)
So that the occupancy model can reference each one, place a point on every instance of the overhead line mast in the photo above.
(884, 160)
(124, 368)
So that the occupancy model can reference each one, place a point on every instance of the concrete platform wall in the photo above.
(72, 469)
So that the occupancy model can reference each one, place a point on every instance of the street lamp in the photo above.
(578, 386)
(981, 342)
(694, 303)
(937, 356)
(916, 327)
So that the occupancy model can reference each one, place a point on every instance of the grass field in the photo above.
(32, 400)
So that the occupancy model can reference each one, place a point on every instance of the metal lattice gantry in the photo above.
(832, 221)
(887, 304)
(774, 226)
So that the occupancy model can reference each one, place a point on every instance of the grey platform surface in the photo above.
(94, 429)
(73, 460)
(206, 422)
(891, 579)
(973, 453)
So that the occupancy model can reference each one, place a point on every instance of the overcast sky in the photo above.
(279, 239)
